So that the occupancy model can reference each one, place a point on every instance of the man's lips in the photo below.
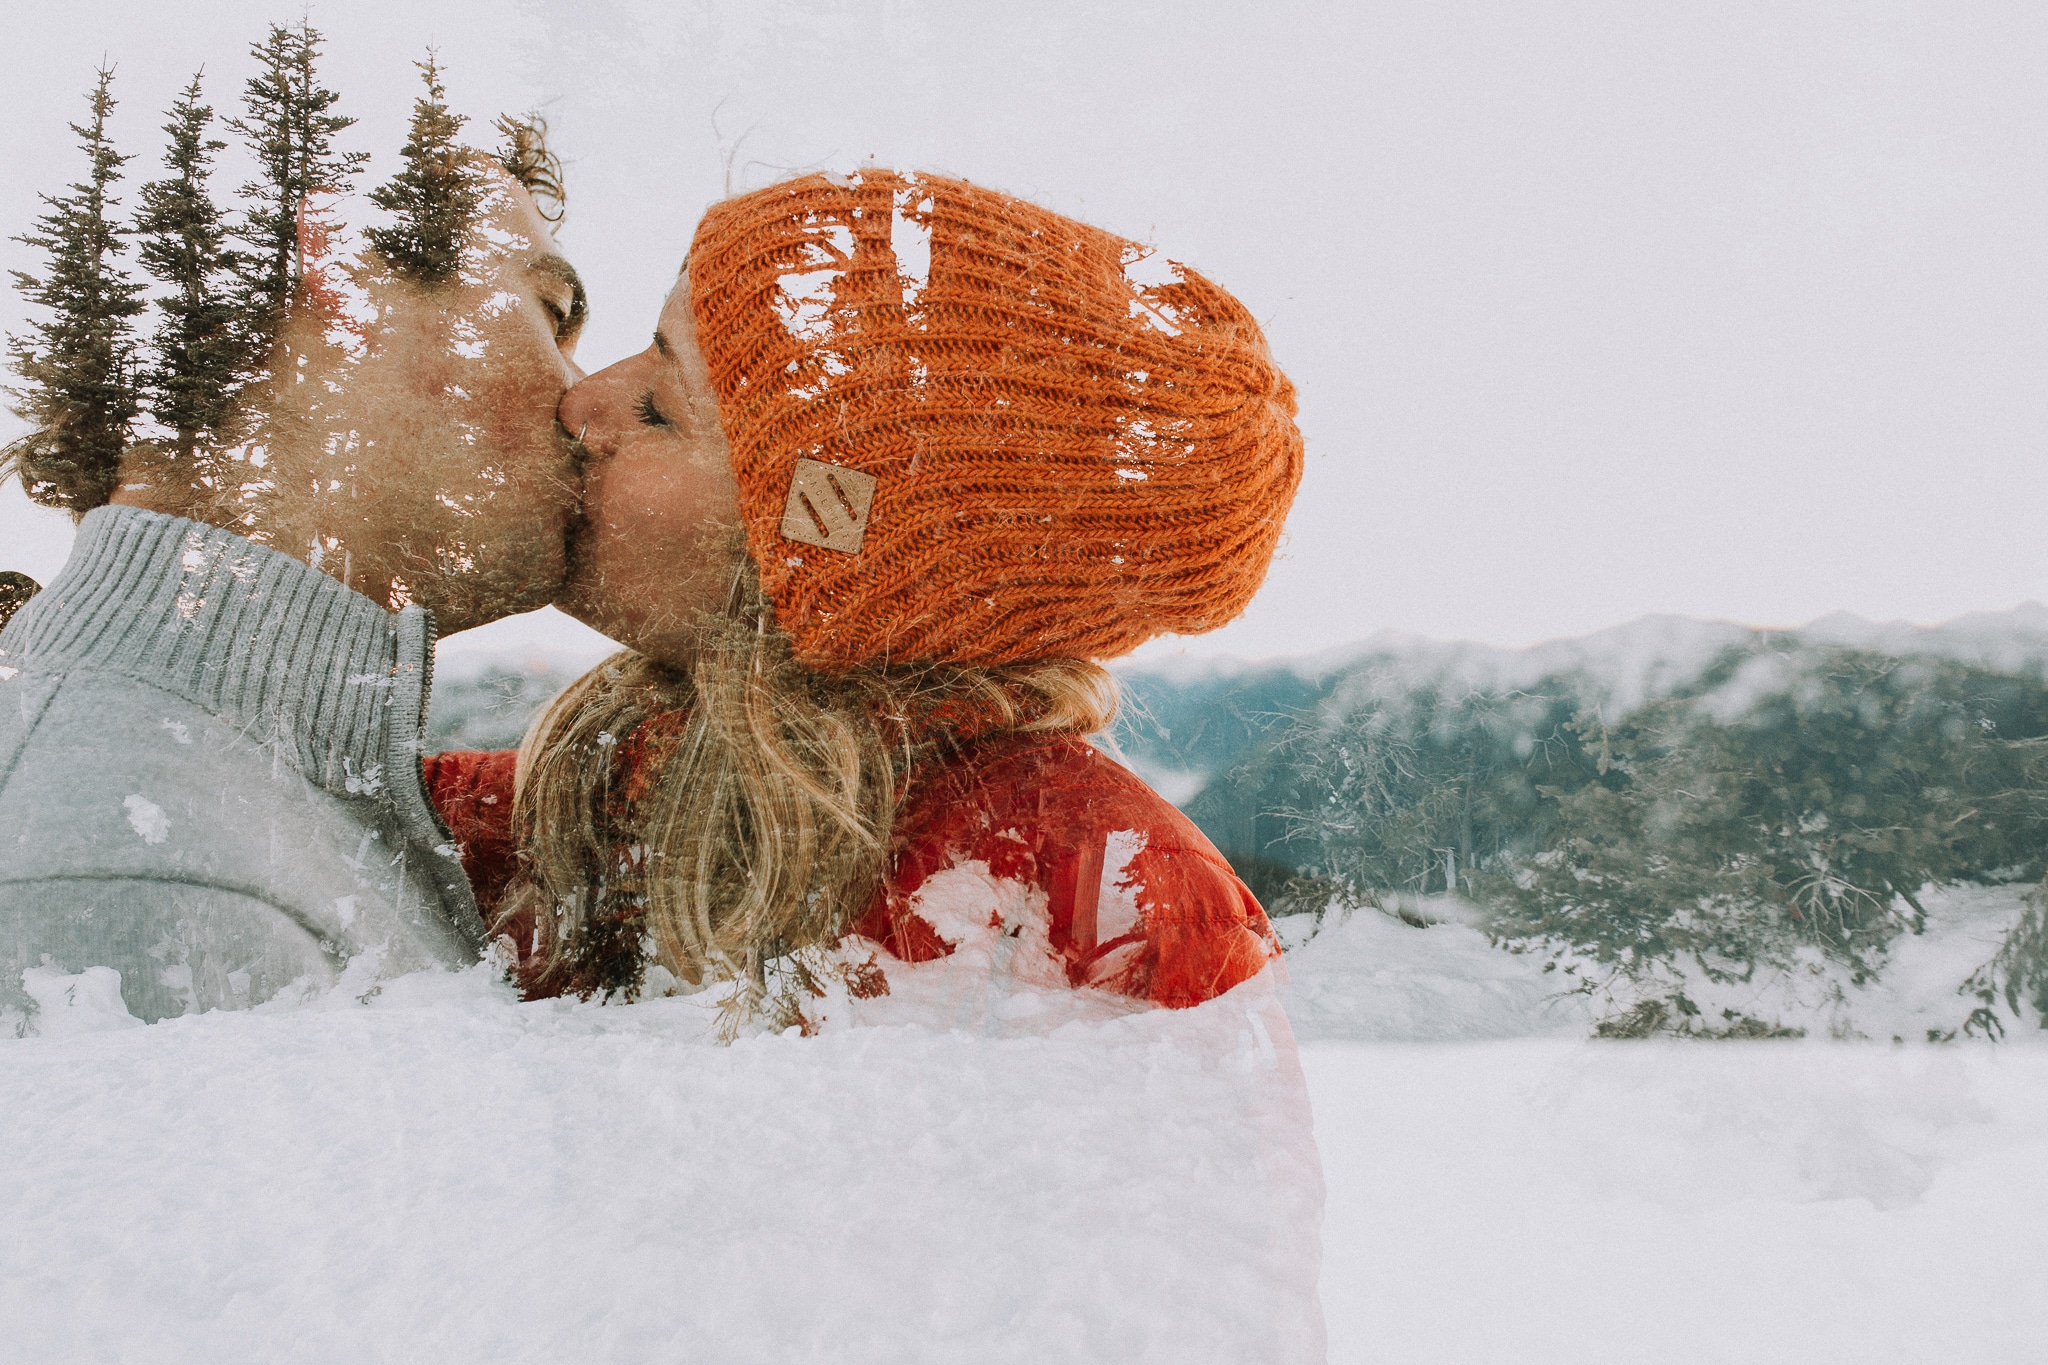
(576, 523)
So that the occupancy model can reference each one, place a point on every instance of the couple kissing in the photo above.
(904, 463)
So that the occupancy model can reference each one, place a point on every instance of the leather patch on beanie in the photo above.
(828, 506)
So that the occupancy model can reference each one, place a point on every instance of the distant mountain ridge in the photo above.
(1634, 656)
(1188, 721)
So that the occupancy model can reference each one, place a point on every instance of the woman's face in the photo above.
(660, 509)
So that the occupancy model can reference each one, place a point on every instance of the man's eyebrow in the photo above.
(661, 344)
(558, 268)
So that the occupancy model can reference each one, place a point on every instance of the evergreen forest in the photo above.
(1786, 799)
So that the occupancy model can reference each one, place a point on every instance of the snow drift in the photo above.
(440, 1172)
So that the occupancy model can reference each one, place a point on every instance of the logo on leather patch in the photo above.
(828, 506)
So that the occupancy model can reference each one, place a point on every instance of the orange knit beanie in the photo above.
(969, 430)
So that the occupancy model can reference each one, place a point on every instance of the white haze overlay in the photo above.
(1597, 309)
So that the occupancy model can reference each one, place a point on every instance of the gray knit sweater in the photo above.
(210, 778)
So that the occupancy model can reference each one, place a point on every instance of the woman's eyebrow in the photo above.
(661, 344)
(558, 268)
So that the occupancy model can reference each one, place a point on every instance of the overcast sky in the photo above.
(1595, 309)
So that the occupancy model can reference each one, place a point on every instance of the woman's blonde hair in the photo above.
(750, 817)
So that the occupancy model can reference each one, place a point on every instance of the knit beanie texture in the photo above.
(1037, 439)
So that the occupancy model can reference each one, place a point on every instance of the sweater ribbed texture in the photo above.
(289, 656)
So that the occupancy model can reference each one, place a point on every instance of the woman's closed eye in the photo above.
(649, 413)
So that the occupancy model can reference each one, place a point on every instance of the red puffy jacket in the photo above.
(1138, 900)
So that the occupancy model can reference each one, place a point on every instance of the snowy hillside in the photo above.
(1622, 666)
(489, 681)
(1653, 654)
(1368, 976)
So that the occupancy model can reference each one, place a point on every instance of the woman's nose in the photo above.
(573, 412)
(591, 409)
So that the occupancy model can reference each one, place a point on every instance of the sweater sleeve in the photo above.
(1137, 900)
(1199, 930)
(473, 793)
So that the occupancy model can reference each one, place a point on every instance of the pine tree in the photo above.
(283, 295)
(436, 196)
(190, 387)
(291, 132)
(77, 392)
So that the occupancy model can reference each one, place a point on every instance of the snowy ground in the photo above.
(445, 1174)
(441, 1172)
(1501, 1189)
(1543, 1201)
(1368, 976)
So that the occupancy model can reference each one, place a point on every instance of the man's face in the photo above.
(471, 483)
(405, 439)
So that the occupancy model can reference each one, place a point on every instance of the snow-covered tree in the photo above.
(198, 361)
(77, 390)
(435, 197)
(290, 127)
(1397, 792)
(1755, 820)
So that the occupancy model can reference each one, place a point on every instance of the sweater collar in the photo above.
(335, 682)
